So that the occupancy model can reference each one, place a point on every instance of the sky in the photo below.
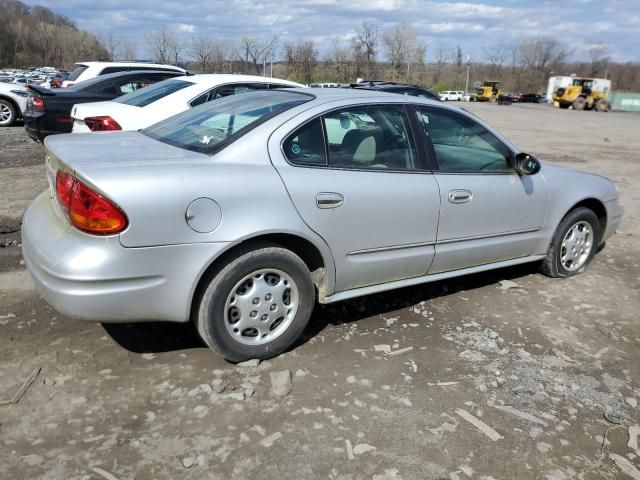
(581, 24)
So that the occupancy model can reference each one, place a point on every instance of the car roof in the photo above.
(130, 73)
(217, 78)
(330, 94)
(128, 64)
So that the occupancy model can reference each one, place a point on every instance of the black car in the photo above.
(532, 98)
(401, 88)
(49, 111)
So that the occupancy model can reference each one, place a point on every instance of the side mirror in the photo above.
(527, 164)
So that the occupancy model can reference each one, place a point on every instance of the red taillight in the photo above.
(87, 210)
(64, 182)
(102, 124)
(37, 102)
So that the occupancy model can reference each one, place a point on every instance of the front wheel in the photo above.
(257, 305)
(573, 245)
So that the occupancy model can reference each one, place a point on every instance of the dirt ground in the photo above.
(503, 375)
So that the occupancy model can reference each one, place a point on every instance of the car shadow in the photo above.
(158, 337)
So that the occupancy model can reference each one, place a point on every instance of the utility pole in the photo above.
(466, 85)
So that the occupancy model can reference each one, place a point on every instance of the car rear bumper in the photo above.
(40, 125)
(97, 279)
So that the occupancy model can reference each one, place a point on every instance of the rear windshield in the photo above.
(77, 72)
(146, 96)
(212, 126)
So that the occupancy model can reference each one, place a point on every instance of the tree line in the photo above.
(396, 54)
(36, 37)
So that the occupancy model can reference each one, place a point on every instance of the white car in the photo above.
(13, 101)
(165, 99)
(454, 95)
(86, 70)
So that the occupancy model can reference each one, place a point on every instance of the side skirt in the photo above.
(383, 287)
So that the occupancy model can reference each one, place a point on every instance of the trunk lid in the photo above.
(120, 112)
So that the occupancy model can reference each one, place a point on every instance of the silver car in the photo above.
(240, 214)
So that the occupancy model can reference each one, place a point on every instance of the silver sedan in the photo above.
(240, 214)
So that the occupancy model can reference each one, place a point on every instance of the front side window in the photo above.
(212, 126)
(153, 93)
(462, 145)
(370, 137)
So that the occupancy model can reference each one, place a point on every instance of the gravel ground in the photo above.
(503, 375)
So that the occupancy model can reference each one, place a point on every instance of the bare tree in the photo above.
(443, 55)
(599, 54)
(257, 51)
(403, 49)
(161, 44)
(201, 51)
(112, 44)
(301, 60)
(127, 50)
(341, 63)
(537, 58)
(364, 46)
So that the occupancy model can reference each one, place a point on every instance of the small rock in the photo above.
(493, 335)
(201, 411)
(188, 462)
(217, 385)
(361, 448)
(632, 402)
(236, 396)
(205, 388)
(507, 285)
(148, 356)
(301, 373)
(254, 362)
(268, 441)
(500, 381)
(280, 383)
(49, 381)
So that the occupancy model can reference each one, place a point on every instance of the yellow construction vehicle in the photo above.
(584, 94)
(489, 92)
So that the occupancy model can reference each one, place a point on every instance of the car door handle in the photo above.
(460, 196)
(329, 200)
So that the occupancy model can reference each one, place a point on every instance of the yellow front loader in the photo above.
(582, 94)
(489, 92)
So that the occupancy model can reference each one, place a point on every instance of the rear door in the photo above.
(488, 212)
(356, 179)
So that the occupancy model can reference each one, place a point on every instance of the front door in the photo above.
(488, 212)
(363, 191)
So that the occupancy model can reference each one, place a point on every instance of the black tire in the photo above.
(210, 313)
(602, 105)
(579, 103)
(552, 265)
(7, 113)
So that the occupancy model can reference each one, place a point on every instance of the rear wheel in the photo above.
(257, 305)
(7, 113)
(579, 103)
(573, 245)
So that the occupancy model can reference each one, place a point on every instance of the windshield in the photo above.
(77, 72)
(210, 127)
(148, 95)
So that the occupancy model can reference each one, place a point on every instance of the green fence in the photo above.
(625, 101)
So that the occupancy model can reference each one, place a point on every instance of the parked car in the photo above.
(451, 95)
(49, 111)
(88, 70)
(401, 88)
(13, 102)
(532, 98)
(241, 213)
(145, 107)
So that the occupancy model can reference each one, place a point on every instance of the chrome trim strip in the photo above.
(491, 235)
(392, 247)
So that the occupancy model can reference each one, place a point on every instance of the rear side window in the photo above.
(107, 70)
(153, 93)
(371, 137)
(306, 146)
(77, 72)
(235, 89)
